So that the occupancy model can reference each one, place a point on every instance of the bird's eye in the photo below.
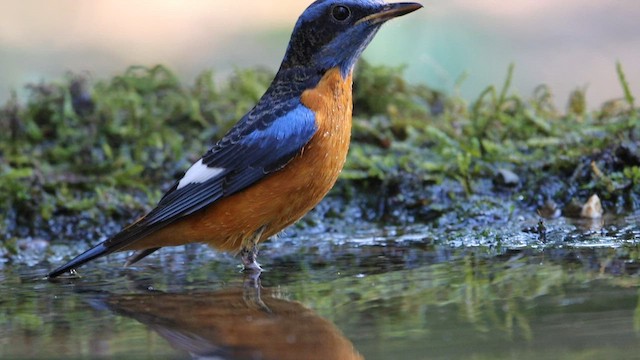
(340, 13)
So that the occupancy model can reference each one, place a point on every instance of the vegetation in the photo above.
(79, 158)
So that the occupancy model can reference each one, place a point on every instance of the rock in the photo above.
(549, 210)
(592, 209)
(629, 153)
(573, 209)
(506, 178)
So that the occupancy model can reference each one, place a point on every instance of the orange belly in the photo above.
(283, 197)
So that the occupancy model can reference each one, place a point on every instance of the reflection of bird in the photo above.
(227, 325)
(281, 158)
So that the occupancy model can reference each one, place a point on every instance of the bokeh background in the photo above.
(565, 44)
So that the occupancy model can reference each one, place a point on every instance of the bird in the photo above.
(280, 159)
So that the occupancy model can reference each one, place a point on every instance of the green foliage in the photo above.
(72, 140)
(96, 148)
(625, 86)
(437, 138)
(634, 118)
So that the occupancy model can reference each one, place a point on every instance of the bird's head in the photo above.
(333, 33)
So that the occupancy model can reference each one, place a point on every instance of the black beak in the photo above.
(389, 12)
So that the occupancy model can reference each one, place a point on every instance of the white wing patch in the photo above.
(199, 173)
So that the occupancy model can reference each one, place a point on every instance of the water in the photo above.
(390, 296)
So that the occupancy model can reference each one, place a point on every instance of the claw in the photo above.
(249, 262)
(249, 252)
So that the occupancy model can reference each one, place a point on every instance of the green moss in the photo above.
(107, 148)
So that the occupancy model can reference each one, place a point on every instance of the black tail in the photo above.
(93, 253)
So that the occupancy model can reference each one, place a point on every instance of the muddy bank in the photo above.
(81, 157)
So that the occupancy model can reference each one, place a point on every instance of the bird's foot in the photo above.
(249, 262)
(249, 252)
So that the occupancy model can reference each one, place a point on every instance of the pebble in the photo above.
(592, 209)
(506, 177)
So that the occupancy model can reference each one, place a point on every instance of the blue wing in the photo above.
(263, 141)
(242, 162)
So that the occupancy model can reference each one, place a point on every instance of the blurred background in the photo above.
(565, 44)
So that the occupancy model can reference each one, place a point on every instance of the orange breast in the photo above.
(283, 197)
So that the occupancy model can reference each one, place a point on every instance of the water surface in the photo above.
(393, 295)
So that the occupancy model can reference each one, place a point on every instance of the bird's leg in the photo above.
(249, 251)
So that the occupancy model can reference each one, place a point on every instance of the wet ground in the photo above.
(379, 293)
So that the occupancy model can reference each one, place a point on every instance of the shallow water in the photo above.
(382, 294)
